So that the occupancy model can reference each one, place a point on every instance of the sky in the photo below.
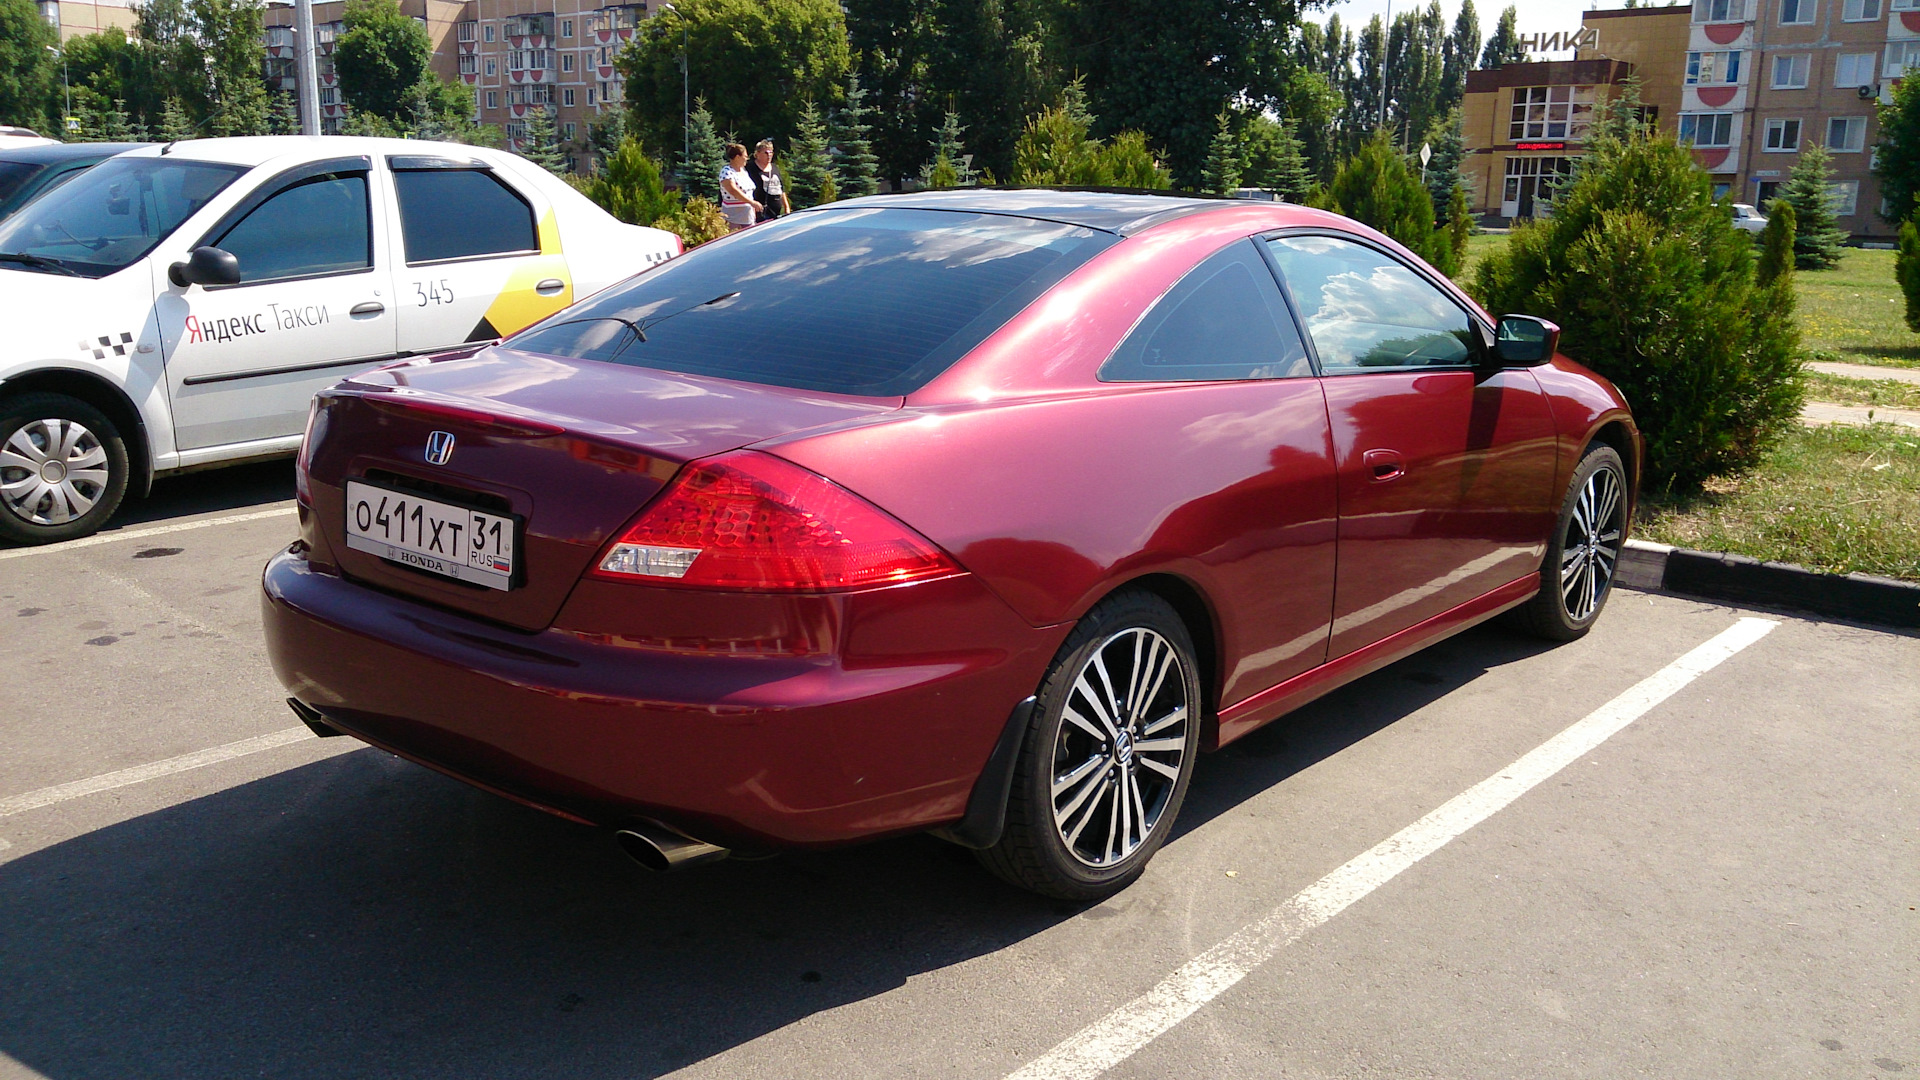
(1535, 16)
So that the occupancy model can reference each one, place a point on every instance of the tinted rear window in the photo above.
(14, 175)
(869, 301)
(460, 214)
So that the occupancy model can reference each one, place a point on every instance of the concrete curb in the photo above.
(1722, 576)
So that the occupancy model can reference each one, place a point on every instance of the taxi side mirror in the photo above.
(1523, 339)
(206, 266)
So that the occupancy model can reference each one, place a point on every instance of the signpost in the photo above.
(1426, 155)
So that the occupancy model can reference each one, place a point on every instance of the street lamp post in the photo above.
(66, 122)
(1386, 57)
(686, 100)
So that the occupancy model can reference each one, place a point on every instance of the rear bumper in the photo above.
(884, 732)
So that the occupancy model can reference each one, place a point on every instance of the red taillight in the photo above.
(751, 521)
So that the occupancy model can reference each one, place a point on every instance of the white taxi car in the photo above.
(176, 307)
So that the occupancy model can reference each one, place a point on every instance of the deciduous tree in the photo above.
(1503, 47)
(29, 74)
(1896, 158)
(381, 55)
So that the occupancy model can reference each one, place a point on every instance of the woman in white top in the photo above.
(737, 204)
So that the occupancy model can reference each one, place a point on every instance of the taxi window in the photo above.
(316, 227)
(114, 213)
(461, 214)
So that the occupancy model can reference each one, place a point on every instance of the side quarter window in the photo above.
(318, 226)
(1366, 311)
(1225, 320)
(461, 214)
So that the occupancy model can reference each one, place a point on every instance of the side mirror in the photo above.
(1523, 339)
(206, 266)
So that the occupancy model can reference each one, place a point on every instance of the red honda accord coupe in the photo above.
(979, 513)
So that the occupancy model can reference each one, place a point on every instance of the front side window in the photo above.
(114, 213)
(461, 214)
(1796, 12)
(869, 301)
(1224, 320)
(319, 226)
(1367, 312)
(1783, 135)
(1790, 71)
(1847, 134)
(1854, 69)
(1707, 129)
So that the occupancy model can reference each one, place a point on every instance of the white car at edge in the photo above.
(176, 307)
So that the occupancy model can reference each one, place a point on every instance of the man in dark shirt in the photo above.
(769, 187)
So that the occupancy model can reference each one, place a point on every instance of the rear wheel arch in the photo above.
(1203, 627)
(106, 397)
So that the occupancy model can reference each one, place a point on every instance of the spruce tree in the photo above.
(1817, 236)
(285, 118)
(951, 166)
(1459, 225)
(855, 167)
(1289, 176)
(705, 155)
(1906, 270)
(629, 186)
(1776, 245)
(1447, 137)
(174, 124)
(116, 125)
(1221, 174)
(541, 144)
(808, 167)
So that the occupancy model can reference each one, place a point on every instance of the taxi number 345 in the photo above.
(432, 292)
(430, 535)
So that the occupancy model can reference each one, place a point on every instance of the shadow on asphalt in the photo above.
(362, 916)
(240, 487)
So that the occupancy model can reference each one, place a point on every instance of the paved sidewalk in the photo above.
(1815, 412)
(1866, 371)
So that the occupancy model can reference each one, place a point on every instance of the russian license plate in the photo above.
(430, 535)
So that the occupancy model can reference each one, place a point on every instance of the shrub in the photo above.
(1776, 244)
(1655, 289)
(1375, 186)
(1906, 270)
(629, 186)
(695, 223)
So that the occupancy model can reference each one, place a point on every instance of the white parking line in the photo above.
(92, 785)
(141, 534)
(1115, 1037)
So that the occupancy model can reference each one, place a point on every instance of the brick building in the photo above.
(517, 55)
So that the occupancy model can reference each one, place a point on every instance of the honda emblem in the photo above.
(439, 447)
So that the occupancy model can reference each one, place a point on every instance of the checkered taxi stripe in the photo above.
(119, 348)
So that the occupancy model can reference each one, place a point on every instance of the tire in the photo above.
(63, 468)
(1079, 778)
(1576, 577)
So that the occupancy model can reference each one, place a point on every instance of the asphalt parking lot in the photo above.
(1724, 886)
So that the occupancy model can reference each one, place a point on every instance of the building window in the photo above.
(1765, 192)
(493, 99)
(1722, 189)
(539, 95)
(493, 67)
(567, 130)
(1846, 197)
(566, 61)
(1796, 12)
(489, 32)
(469, 64)
(329, 95)
(1860, 10)
(1713, 67)
(1847, 134)
(1854, 69)
(566, 97)
(1905, 5)
(591, 95)
(1790, 71)
(566, 27)
(529, 59)
(1707, 129)
(1902, 57)
(1783, 135)
(516, 132)
(1550, 112)
(466, 31)
(1706, 11)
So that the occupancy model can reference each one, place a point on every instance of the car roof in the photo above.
(1122, 212)
(254, 150)
(57, 152)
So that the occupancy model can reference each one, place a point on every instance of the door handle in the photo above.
(1384, 465)
(550, 285)
(370, 307)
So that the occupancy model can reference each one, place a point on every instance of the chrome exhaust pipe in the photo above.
(661, 849)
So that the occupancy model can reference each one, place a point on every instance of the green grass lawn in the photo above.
(1854, 312)
(1837, 499)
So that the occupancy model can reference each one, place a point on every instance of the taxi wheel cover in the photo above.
(63, 468)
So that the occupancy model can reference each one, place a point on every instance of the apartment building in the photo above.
(1766, 78)
(76, 18)
(517, 55)
(1526, 123)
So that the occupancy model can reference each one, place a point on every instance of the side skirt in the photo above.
(1252, 713)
